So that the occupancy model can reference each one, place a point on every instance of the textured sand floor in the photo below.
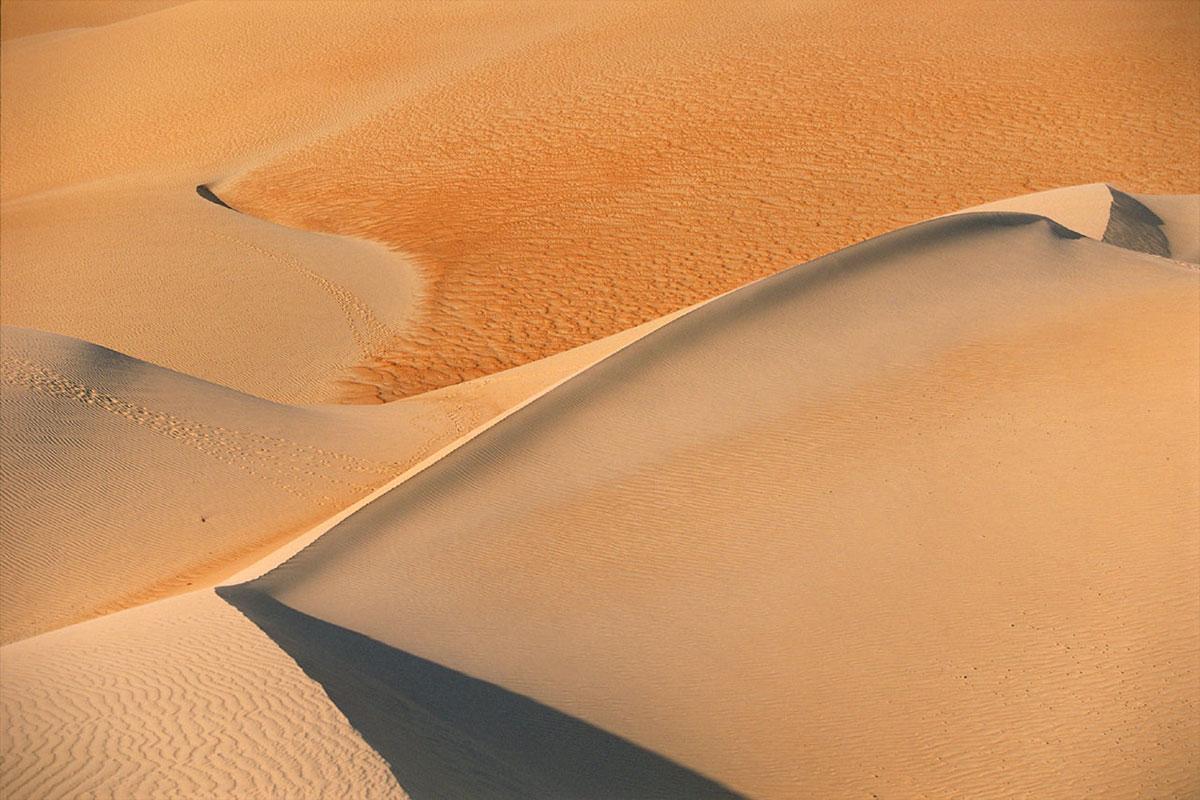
(182, 698)
(562, 171)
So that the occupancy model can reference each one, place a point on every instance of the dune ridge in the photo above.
(1012, 308)
(649, 158)
(544, 399)
(236, 476)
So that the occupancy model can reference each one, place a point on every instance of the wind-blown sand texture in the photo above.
(556, 172)
(918, 517)
(235, 475)
(705, 562)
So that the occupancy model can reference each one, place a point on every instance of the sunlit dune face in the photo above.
(635, 160)
(914, 515)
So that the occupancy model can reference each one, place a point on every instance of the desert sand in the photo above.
(599, 400)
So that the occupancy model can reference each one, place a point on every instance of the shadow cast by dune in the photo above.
(211, 196)
(446, 735)
(1135, 227)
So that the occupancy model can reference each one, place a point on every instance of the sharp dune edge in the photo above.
(238, 475)
(412, 402)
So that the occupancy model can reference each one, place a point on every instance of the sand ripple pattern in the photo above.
(282, 463)
(125, 482)
(180, 699)
(645, 157)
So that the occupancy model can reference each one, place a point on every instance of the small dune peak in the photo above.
(1134, 226)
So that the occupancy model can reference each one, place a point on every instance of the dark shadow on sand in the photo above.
(211, 197)
(447, 735)
(1135, 227)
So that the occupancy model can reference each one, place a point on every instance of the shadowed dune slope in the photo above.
(1162, 225)
(915, 518)
(1178, 215)
(178, 699)
(448, 735)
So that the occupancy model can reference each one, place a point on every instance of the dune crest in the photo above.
(720, 534)
(543, 175)
(737, 559)
(235, 476)
(565, 400)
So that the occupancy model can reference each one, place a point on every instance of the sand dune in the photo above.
(555, 172)
(1162, 225)
(182, 698)
(275, 312)
(421, 399)
(125, 482)
(730, 553)
(730, 558)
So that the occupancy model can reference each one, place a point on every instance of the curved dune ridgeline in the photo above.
(906, 483)
(543, 174)
(559, 400)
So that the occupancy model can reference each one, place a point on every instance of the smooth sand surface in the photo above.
(87, 431)
(40, 18)
(917, 518)
(1083, 209)
(165, 276)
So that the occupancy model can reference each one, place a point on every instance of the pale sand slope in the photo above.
(121, 672)
(916, 518)
(180, 699)
(37, 17)
(185, 697)
(124, 481)
(1084, 209)
(165, 276)
(561, 171)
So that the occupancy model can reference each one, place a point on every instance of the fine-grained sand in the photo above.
(555, 172)
(87, 431)
(508, 400)
(916, 518)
